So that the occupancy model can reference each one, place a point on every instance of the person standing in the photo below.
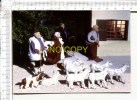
(58, 52)
(36, 47)
(93, 43)
(63, 32)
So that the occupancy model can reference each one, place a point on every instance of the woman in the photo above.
(56, 52)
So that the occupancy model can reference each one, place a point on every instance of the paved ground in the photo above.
(118, 52)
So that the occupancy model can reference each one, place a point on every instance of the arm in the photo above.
(91, 37)
(32, 47)
(97, 39)
(43, 41)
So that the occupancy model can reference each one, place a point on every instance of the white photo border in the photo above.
(81, 96)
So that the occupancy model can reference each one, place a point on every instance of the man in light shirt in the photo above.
(36, 47)
(93, 41)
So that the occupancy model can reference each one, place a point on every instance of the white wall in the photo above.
(112, 14)
(134, 52)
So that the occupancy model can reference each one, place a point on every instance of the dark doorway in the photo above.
(78, 23)
(113, 29)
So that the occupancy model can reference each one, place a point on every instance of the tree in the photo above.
(23, 23)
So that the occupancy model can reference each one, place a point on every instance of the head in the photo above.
(62, 25)
(96, 28)
(126, 66)
(37, 34)
(40, 76)
(57, 34)
(109, 63)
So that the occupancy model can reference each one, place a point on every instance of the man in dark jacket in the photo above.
(64, 34)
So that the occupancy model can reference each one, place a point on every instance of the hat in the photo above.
(95, 26)
(57, 34)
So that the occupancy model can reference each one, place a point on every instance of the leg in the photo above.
(23, 83)
(78, 83)
(32, 65)
(92, 51)
(71, 85)
(93, 83)
(117, 78)
(22, 86)
(111, 79)
(83, 84)
(105, 84)
(41, 69)
(67, 72)
(120, 80)
(38, 65)
(99, 83)
(67, 83)
(36, 70)
(27, 85)
(89, 84)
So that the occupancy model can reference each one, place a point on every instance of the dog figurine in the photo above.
(31, 82)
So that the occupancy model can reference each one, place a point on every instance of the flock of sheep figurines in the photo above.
(78, 69)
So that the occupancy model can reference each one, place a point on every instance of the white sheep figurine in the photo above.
(117, 73)
(75, 66)
(100, 67)
(99, 77)
(68, 60)
(77, 77)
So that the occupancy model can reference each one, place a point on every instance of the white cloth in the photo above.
(57, 34)
(62, 49)
(62, 53)
(94, 35)
(35, 56)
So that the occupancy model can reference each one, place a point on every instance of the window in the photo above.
(114, 29)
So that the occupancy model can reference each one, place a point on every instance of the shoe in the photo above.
(44, 59)
(98, 59)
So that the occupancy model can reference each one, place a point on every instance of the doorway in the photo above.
(78, 23)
